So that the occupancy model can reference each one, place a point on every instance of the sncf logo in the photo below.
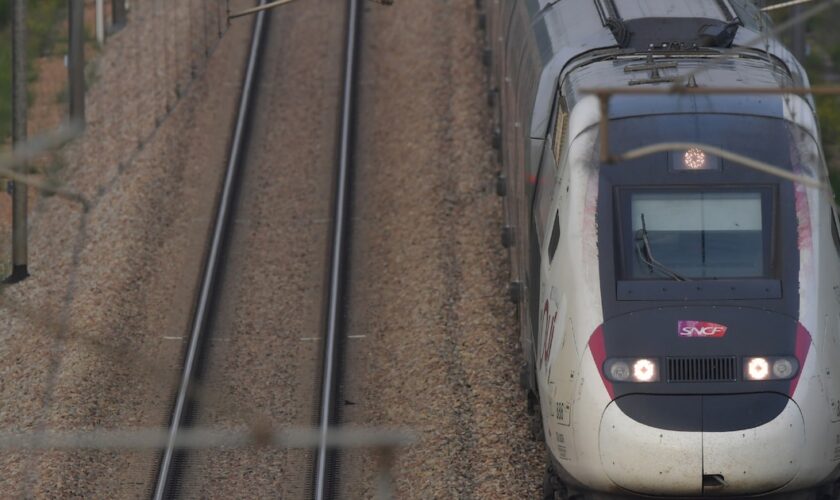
(700, 329)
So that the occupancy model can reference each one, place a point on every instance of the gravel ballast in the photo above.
(264, 355)
(433, 341)
(93, 339)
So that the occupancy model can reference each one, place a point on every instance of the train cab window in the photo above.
(688, 235)
(750, 15)
(554, 240)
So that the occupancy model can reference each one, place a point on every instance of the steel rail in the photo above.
(338, 257)
(212, 264)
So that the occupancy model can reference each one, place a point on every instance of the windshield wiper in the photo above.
(645, 253)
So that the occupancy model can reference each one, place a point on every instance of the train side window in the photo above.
(555, 237)
(560, 130)
(835, 231)
(549, 168)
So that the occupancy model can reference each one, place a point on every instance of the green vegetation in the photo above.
(828, 109)
(5, 13)
(43, 18)
(823, 65)
(44, 38)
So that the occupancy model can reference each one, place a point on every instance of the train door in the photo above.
(557, 354)
(544, 241)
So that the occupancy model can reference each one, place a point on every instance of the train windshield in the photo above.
(687, 235)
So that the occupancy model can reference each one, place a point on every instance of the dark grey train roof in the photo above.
(731, 73)
(576, 48)
(656, 8)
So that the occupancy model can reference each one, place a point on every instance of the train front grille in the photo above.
(703, 369)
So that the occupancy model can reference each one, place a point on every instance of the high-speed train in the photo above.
(680, 312)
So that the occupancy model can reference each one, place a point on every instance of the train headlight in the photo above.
(694, 159)
(632, 370)
(619, 371)
(782, 368)
(644, 370)
(770, 368)
(758, 369)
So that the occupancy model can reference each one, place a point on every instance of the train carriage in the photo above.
(679, 311)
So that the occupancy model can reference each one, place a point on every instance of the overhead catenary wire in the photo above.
(783, 5)
(103, 437)
(144, 104)
(260, 8)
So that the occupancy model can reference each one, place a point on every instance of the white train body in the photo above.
(743, 346)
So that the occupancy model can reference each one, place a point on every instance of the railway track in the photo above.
(169, 468)
(326, 463)
(170, 482)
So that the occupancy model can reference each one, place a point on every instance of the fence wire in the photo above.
(165, 48)
(168, 46)
(136, 83)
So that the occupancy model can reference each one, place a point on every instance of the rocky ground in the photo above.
(264, 353)
(433, 343)
(93, 340)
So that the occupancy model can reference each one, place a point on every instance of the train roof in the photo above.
(597, 43)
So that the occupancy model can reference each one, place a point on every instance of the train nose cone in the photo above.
(754, 460)
(648, 460)
(703, 460)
